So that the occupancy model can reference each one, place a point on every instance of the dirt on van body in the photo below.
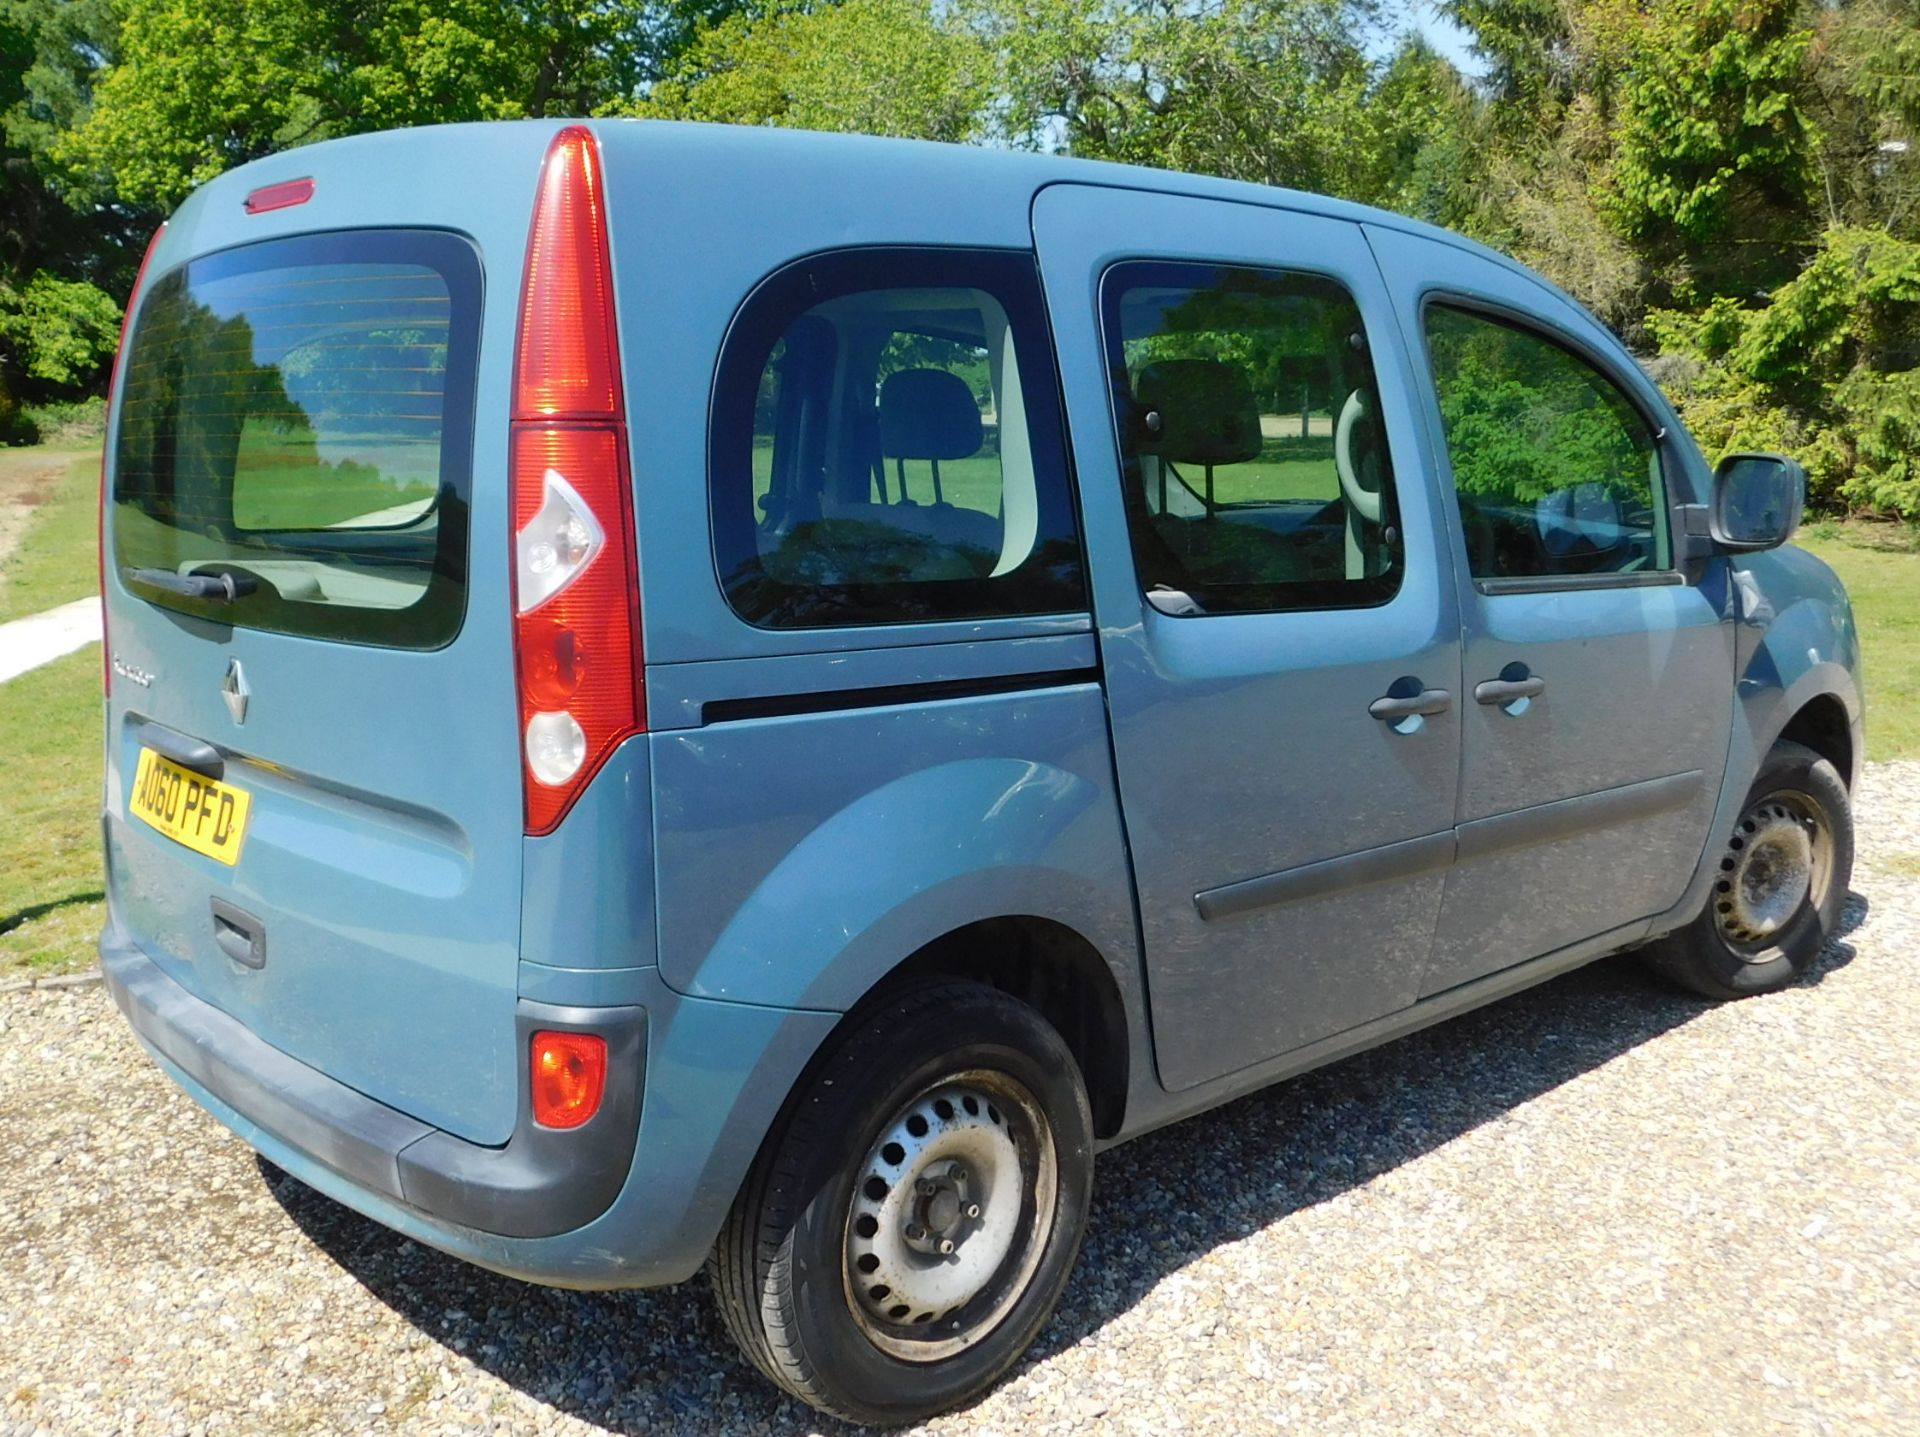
(1600, 1207)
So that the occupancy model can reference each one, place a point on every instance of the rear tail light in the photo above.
(576, 591)
(568, 1078)
(113, 386)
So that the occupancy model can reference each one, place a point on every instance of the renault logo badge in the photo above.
(235, 691)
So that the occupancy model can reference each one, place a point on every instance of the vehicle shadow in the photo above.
(13, 920)
(660, 1361)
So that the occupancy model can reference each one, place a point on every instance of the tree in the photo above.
(58, 321)
(877, 67)
(202, 85)
(1712, 165)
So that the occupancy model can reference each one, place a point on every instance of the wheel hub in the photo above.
(950, 1210)
(1768, 872)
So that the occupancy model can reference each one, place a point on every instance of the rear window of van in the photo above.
(295, 429)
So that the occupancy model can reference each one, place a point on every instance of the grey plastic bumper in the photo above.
(541, 1182)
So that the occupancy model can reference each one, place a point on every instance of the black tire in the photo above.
(783, 1269)
(1727, 952)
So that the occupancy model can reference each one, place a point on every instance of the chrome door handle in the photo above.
(1505, 691)
(1426, 702)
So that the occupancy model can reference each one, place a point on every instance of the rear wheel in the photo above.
(1780, 879)
(910, 1225)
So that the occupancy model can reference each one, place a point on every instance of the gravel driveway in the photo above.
(1595, 1208)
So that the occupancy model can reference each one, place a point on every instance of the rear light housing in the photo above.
(575, 584)
(282, 196)
(567, 1077)
(100, 525)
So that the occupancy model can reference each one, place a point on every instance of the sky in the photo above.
(1445, 36)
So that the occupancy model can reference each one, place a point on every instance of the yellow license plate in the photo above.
(207, 815)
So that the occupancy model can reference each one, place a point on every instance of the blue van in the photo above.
(685, 695)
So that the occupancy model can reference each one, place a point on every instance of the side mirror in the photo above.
(1757, 501)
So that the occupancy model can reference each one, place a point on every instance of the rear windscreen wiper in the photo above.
(227, 586)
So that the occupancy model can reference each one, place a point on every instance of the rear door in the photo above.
(1599, 673)
(306, 577)
(1277, 622)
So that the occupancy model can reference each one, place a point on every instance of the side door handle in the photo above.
(1424, 703)
(1505, 691)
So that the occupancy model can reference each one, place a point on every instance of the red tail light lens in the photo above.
(568, 1078)
(113, 385)
(576, 592)
(567, 355)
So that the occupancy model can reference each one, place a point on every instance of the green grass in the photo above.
(50, 884)
(280, 481)
(54, 560)
(1880, 565)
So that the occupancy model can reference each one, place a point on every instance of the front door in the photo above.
(1278, 623)
(1598, 670)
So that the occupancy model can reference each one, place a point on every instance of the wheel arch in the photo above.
(1054, 970)
(1822, 724)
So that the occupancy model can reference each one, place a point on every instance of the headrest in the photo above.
(928, 414)
(1206, 408)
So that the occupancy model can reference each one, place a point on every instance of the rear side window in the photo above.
(887, 446)
(295, 425)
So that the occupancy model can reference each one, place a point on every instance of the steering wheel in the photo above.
(1362, 500)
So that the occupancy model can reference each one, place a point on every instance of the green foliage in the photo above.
(65, 421)
(1828, 370)
(202, 85)
(66, 329)
(878, 67)
(1712, 131)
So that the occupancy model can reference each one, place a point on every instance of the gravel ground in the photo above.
(1597, 1207)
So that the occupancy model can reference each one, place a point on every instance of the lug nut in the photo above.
(915, 1232)
(926, 1187)
(946, 1244)
(973, 1209)
(957, 1173)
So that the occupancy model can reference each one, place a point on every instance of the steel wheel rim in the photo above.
(1778, 860)
(950, 1213)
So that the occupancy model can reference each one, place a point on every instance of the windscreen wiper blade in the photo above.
(226, 586)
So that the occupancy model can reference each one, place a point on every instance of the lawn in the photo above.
(1880, 564)
(54, 559)
(50, 888)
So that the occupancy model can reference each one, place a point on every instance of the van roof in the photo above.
(920, 173)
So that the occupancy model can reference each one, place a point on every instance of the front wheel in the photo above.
(911, 1223)
(1779, 880)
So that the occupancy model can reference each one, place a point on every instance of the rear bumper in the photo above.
(570, 1209)
(542, 1181)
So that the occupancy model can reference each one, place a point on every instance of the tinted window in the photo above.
(297, 414)
(887, 446)
(1555, 471)
(1257, 470)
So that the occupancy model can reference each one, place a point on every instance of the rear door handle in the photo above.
(239, 935)
(193, 753)
(1505, 691)
(1424, 703)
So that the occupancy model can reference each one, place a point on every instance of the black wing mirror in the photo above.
(1757, 501)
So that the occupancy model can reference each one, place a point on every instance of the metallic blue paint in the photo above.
(748, 881)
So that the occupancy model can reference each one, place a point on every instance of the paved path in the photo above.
(41, 638)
